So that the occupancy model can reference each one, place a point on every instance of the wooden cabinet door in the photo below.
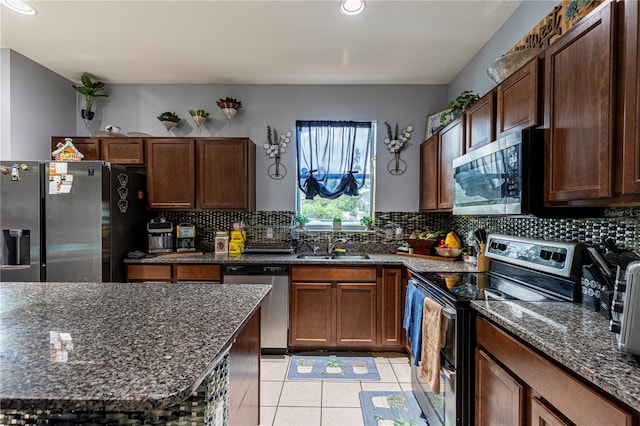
(122, 150)
(312, 316)
(429, 173)
(481, 122)
(451, 145)
(356, 319)
(226, 174)
(171, 173)
(244, 375)
(631, 133)
(148, 273)
(89, 147)
(519, 100)
(390, 295)
(499, 397)
(579, 73)
(197, 273)
(541, 415)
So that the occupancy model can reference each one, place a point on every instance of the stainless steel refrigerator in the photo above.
(92, 215)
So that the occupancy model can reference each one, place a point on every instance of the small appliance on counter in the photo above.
(160, 235)
(186, 237)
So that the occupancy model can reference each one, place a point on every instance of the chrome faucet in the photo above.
(331, 244)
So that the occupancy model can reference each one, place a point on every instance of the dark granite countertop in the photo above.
(414, 263)
(575, 337)
(114, 346)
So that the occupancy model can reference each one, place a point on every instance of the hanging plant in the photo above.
(397, 141)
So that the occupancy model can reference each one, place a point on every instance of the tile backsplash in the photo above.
(622, 225)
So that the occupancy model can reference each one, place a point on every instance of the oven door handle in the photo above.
(449, 313)
(449, 373)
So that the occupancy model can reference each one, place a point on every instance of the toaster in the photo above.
(625, 309)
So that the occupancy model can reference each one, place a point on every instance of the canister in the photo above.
(222, 242)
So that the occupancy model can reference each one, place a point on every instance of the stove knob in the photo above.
(546, 255)
(614, 326)
(621, 286)
(558, 257)
(617, 306)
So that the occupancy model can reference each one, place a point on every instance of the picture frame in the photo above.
(434, 124)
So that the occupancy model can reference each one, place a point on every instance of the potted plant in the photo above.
(199, 116)
(304, 366)
(337, 224)
(367, 222)
(90, 90)
(459, 104)
(360, 366)
(333, 366)
(169, 119)
(301, 220)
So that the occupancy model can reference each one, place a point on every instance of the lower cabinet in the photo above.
(333, 307)
(176, 273)
(516, 385)
(346, 307)
(244, 375)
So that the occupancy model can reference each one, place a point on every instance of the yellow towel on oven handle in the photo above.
(434, 330)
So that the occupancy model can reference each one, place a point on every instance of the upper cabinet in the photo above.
(518, 102)
(171, 173)
(226, 174)
(436, 166)
(201, 173)
(127, 151)
(579, 110)
(450, 146)
(629, 183)
(480, 122)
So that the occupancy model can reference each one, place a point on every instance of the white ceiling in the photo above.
(255, 42)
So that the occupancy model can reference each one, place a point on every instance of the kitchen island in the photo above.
(113, 350)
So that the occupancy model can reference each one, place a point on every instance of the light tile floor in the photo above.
(323, 402)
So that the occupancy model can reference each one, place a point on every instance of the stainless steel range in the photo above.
(521, 269)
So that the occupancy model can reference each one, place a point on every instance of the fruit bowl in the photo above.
(448, 252)
(420, 246)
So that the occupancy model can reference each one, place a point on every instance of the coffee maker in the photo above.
(160, 235)
(186, 237)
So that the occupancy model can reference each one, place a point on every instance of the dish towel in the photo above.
(413, 320)
(433, 339)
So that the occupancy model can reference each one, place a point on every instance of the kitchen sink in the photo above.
(334, 257)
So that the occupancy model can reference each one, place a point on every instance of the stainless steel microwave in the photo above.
(504, 177)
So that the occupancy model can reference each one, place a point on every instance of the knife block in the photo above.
(483, 261)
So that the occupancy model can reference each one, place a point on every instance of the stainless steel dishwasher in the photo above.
(274, 317)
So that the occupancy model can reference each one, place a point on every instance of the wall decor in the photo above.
(396, 142)
(435, 122)
(90, 90)
(169, 120)
(229, 106)
(275, 147)
(199, 116)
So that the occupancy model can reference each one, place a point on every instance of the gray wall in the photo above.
(474, 75)
(36, 104)
(134, 108)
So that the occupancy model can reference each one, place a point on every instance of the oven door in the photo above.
(440, 409)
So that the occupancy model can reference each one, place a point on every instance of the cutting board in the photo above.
(424, 256)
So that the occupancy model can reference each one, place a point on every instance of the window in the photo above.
(334, 171)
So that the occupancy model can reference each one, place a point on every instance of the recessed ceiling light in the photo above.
(351, 7)
(20, 7)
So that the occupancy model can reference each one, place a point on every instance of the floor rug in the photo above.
(332, 367)
(390, 409)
